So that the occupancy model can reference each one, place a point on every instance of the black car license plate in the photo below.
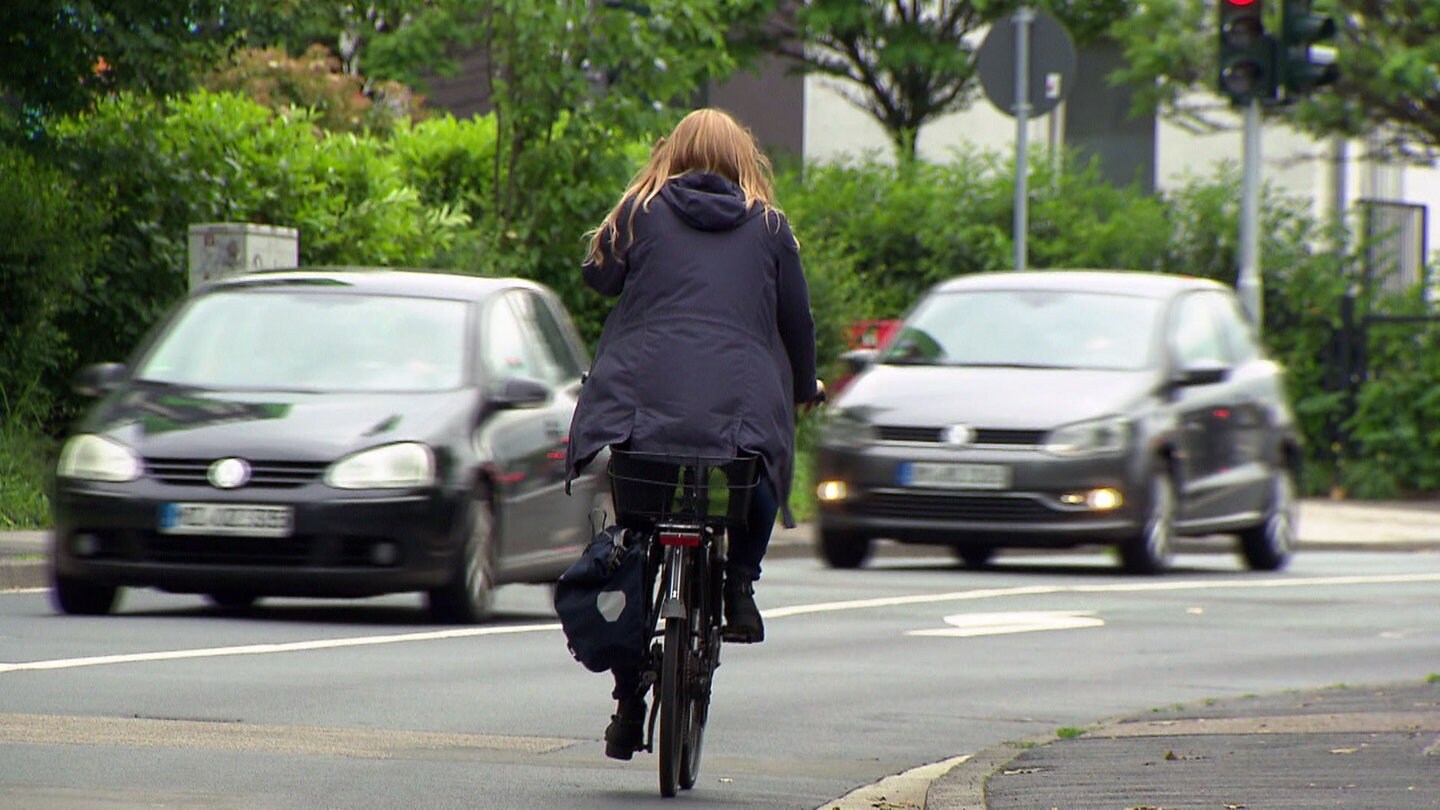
(240, 520)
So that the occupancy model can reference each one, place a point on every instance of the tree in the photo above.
(1387, 52)
(908, 62)
(59, 55)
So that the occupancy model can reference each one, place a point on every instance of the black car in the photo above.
(330, 433)
(1061, 408)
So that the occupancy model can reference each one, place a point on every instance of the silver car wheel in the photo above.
(1268, 547)
(1149, 552)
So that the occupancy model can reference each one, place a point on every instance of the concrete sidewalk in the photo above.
(1369, 747)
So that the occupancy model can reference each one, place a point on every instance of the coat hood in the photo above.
(707, 201)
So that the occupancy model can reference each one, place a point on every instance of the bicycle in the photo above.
(682, 509)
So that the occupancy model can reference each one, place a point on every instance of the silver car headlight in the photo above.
(393, 466)
(1095, 437)
(88, 457)
(846, 428)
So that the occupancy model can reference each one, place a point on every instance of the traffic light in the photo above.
(1247, 53)
(1301, 70)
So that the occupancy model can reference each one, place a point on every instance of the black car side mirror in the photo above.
(1203, 373)
(99, 379)
(520, 392)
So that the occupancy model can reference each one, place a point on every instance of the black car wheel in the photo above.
(1149, 551)
(842, 549)
(974, 556)
(1267, 547)
(79, 598)
(467, 598)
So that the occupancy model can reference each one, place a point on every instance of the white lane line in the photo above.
(774, 613)
(1045, 590)
(265, 649)
(968, 625)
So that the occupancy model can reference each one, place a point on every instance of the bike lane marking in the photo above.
(773, 613)
(969, 625)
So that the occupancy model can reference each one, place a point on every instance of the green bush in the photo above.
(25, 457)
(51, 235)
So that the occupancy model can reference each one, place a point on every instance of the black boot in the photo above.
(742, 617)
(626, 732)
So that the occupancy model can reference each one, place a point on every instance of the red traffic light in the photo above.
(1240, 2)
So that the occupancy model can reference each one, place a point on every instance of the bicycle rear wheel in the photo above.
(674, 704)
(697, 703)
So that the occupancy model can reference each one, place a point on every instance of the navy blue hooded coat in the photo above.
(712, 343)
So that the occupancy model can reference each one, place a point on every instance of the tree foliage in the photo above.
(60, 55)
(1388, 52)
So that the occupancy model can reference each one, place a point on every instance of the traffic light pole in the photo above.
(1249, 284)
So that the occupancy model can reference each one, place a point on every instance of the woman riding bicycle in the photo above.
(709, 348)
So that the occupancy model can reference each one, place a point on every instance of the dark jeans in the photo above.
(747, 549)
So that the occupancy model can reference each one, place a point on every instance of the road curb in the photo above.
(963, 786)
(23, 574)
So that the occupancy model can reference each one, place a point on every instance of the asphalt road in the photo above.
(864, 674)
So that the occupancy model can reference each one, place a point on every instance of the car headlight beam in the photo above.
(89, 457)
(1090, 438)
(393, 466)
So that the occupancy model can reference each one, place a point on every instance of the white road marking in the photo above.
(966, 625)
(265, 649)
(774, 613)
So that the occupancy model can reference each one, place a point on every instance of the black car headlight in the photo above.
(88, 457)
(1094, 437)
(392, 466)
(848, 429)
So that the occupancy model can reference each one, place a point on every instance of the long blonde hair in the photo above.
(707, 139)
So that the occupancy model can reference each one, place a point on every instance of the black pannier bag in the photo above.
(601, 602)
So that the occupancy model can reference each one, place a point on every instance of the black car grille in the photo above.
(263, 474)
(280, 552)
(957, 507)
(935, 435)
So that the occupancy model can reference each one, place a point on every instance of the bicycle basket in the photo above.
(653, 487)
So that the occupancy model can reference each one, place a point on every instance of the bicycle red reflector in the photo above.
(679, 539)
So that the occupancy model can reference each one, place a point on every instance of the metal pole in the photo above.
(1023, 17)
(1249, 285)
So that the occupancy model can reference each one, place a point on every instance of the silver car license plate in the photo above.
(954, 476)
(239, 520)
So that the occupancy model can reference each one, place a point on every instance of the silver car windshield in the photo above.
(303, 341)
(1028, 329)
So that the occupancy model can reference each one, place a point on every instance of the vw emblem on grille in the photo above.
(229, 473)
(959, 434)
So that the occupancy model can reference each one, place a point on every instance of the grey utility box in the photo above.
(223, 249)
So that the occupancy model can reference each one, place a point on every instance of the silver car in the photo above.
(1061, 408)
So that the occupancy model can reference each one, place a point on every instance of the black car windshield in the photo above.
(1028, 329)
(311, 341)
